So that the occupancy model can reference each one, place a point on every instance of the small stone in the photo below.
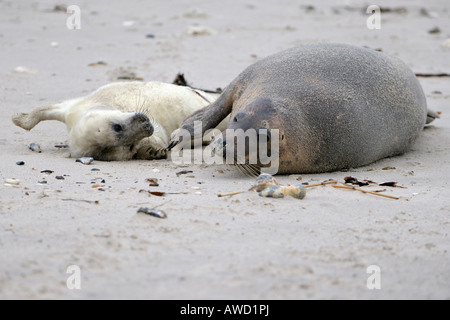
(85, 160)
(34, 147)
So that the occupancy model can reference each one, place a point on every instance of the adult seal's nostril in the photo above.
(239, 116)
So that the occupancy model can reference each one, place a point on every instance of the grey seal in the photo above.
(336, 106)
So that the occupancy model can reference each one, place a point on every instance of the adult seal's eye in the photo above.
(117, 127)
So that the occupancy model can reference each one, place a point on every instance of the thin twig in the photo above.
(230, 194)
(365, 191)
(321, 184)
(87, 201)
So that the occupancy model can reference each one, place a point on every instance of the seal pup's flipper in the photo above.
(56, 111)
(28, 121)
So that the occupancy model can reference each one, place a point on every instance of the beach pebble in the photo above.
(34, 147)
(25, 70)
(197, 30)
(85, 160)
(20, 163)
(129, 23)
(195, 13)
(60, 7)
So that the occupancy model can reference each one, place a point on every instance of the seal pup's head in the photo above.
(109, 135)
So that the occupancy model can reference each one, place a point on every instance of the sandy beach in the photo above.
(210, 247)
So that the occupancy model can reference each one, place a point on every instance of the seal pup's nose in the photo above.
(144, 122)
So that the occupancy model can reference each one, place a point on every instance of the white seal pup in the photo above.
(123, 120)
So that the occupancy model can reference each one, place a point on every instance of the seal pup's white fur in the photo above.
(122, 120)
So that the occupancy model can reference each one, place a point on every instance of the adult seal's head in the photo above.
(334, 106)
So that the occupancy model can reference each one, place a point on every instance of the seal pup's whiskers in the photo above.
(141, 107)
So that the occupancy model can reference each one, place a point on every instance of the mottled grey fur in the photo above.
(337, 106)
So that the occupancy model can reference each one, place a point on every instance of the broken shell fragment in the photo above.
(12, 182)
(264, 181)
(277, 191)
(297, 191)
(272, 192)
(153, 212)
(153, 182)
(85, 160)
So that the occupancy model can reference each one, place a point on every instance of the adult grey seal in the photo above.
(122, 120)
(336, 106)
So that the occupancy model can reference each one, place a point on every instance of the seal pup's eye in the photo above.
(117, 127)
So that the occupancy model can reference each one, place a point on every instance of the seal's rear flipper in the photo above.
(28, 121)
(431, 115)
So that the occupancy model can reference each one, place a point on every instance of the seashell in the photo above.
(264, 181)
(276, 191)
(273, 191)
(12, 182)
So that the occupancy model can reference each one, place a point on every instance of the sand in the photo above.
(239, 247)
